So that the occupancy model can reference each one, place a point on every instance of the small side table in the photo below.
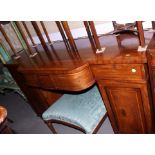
(4, 128)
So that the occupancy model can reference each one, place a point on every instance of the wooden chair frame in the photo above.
(50, 125)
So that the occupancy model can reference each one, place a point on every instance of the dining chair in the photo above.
(84, 111)
(124, 28)
(7, 82)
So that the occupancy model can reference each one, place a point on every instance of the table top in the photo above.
(120, 49)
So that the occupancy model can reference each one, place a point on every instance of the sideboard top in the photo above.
(120, 49)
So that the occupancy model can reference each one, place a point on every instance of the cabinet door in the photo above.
(128, 106)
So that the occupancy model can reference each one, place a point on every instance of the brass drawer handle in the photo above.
(133, 70)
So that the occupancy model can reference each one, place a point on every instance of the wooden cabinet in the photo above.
(124, 89)
(125, 78)
(127, 105)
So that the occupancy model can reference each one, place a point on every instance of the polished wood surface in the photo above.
(75, 80)
(126, 72)
(115, 53)
(121, 72)
(129, 110)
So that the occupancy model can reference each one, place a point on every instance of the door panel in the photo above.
(127, 106)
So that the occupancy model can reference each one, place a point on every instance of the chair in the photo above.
(7, 82)
(3, 122)
(84, 111)
(124, 28)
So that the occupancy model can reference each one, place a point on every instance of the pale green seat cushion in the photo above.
(84, 110)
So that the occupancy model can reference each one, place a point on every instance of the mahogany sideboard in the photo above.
(123, 76)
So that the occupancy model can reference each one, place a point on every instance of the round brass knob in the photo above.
(133, 70)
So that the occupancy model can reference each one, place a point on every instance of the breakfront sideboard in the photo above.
(123, 74)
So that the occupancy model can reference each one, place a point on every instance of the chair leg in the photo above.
(100, 123)
(50, 125)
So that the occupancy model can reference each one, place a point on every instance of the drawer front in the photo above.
(71, 81)
(120, 72)
(74, 82)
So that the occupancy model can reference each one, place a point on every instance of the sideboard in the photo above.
(124, 77)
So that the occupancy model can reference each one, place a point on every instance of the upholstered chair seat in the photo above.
(84, 110)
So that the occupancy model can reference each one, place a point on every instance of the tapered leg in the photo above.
(50, 125)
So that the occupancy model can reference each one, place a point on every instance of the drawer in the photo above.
(74, 82)
(119, 71)
(31, 80)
